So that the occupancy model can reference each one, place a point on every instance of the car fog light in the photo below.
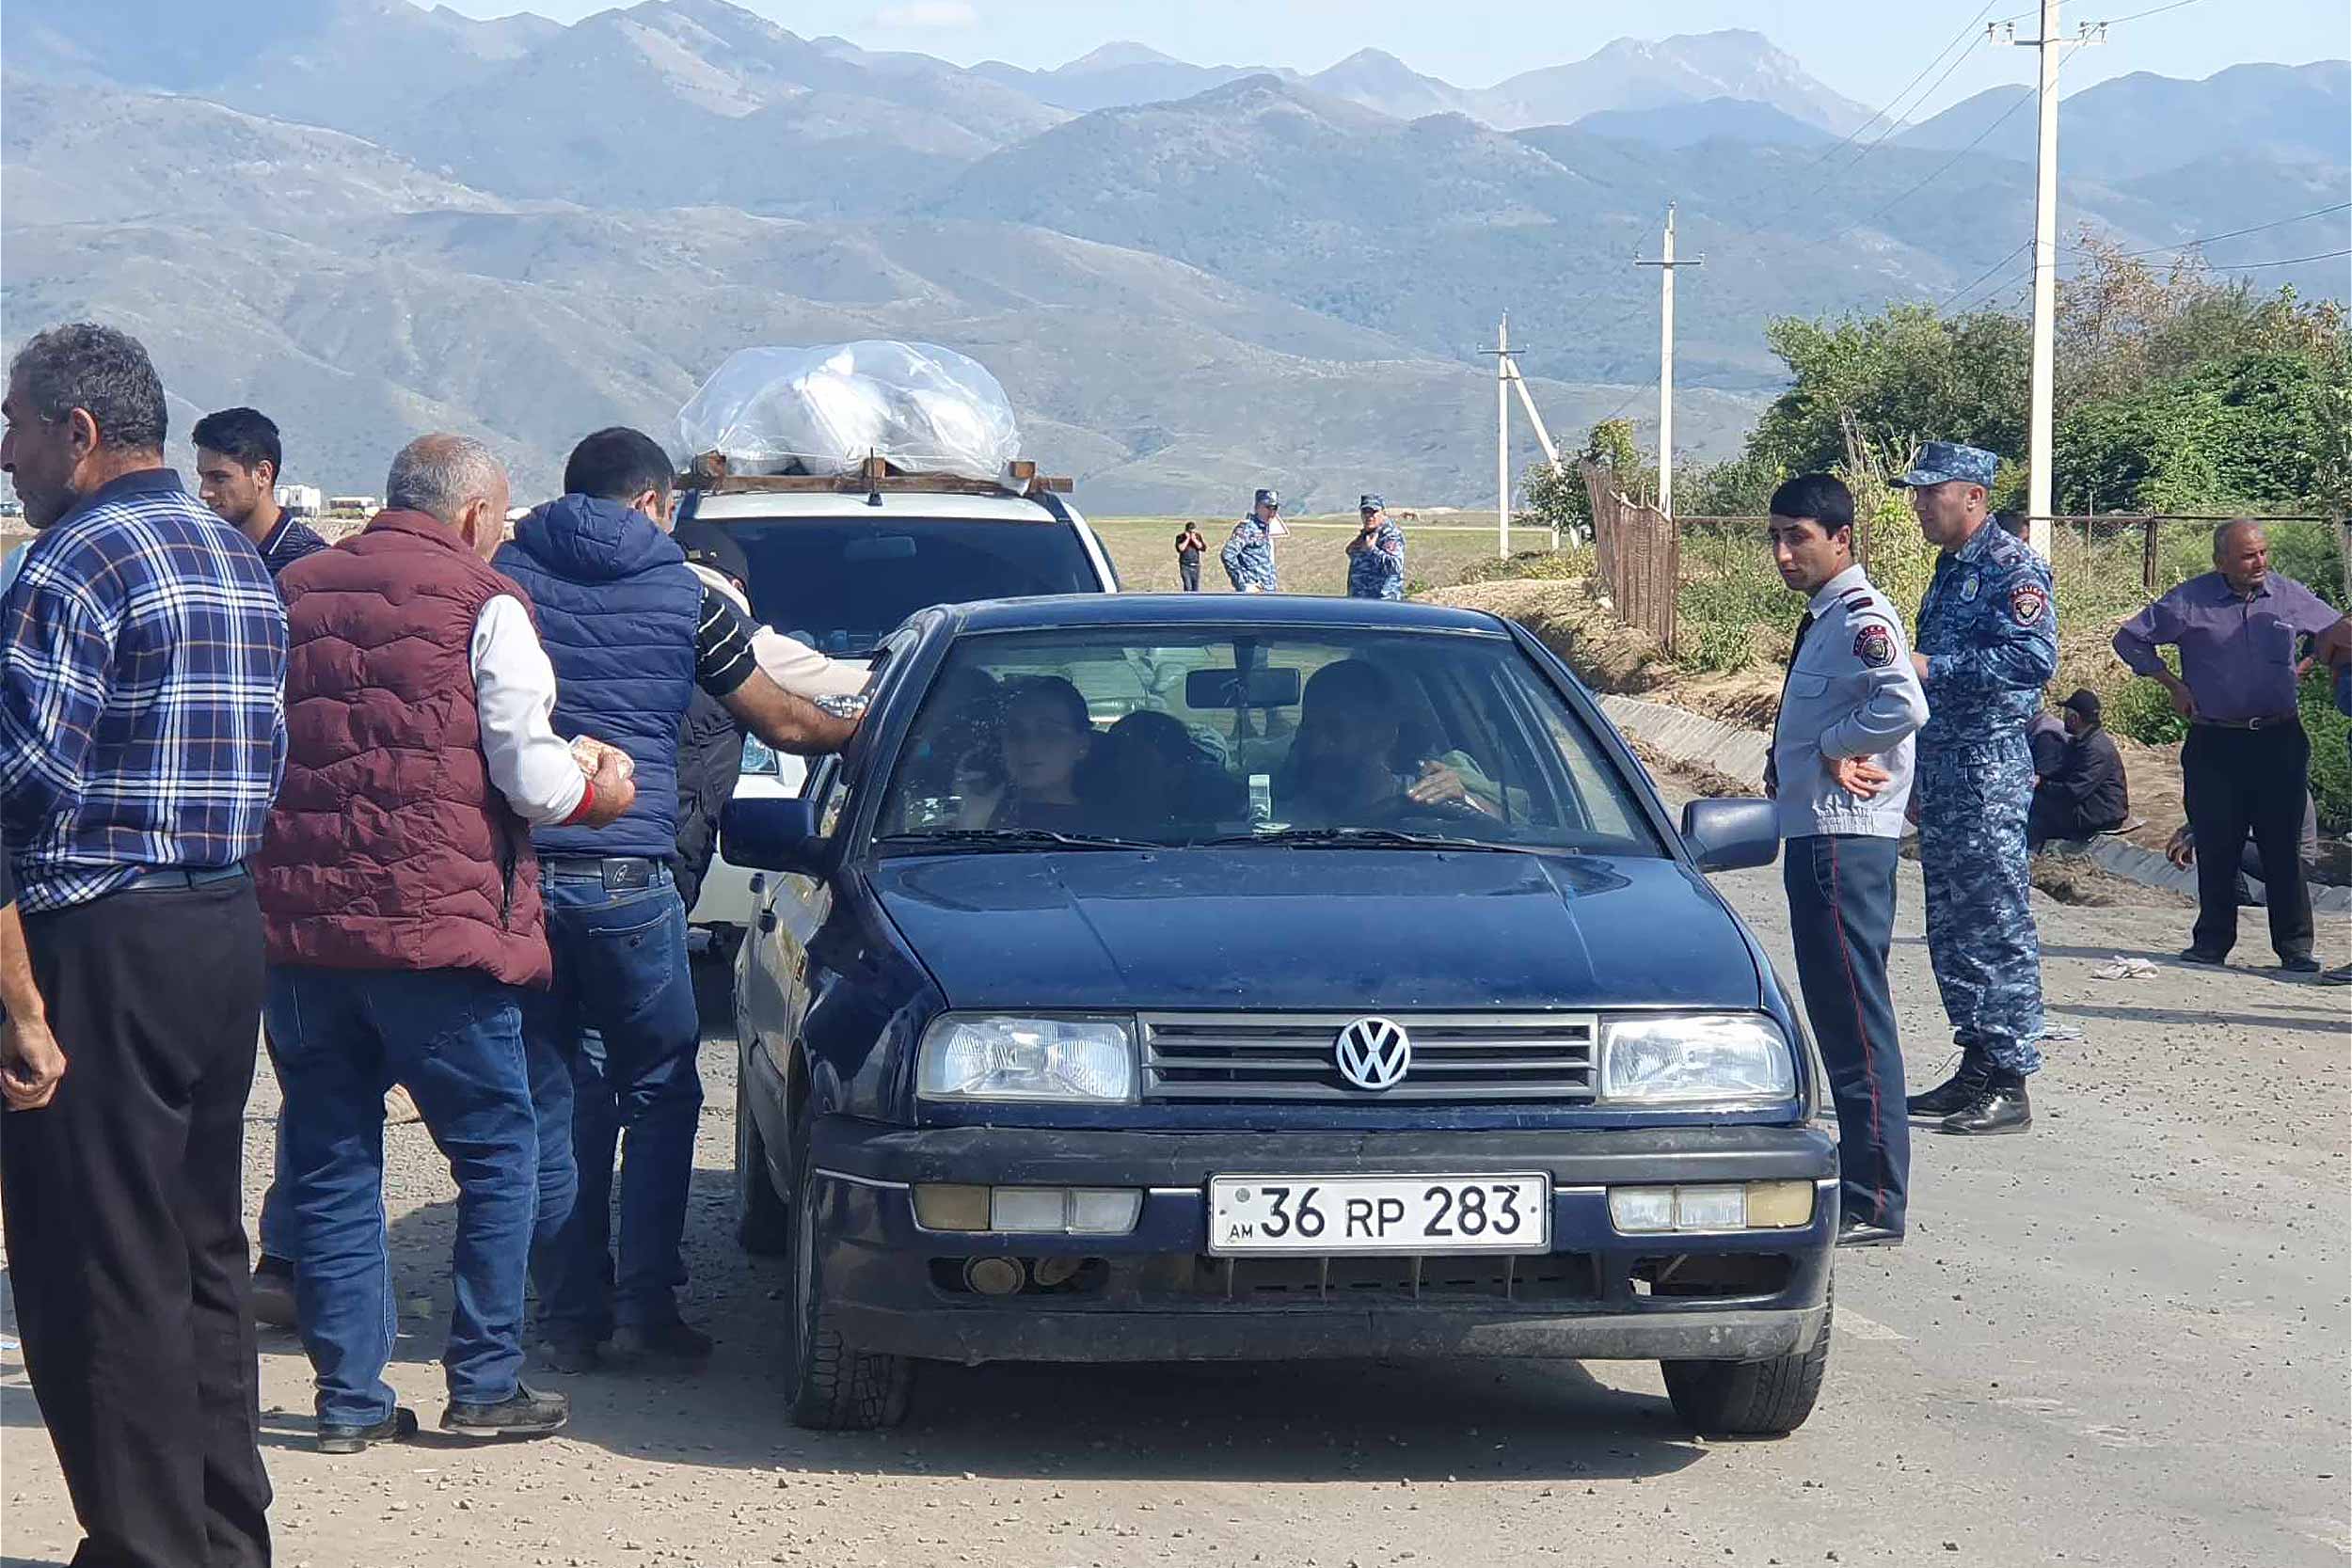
(949, 1206)
(1633, 1209)
(1029, 1208)
(1050, 1272)
(1104, 1211)
(1710, 1209)
(1778, 1205)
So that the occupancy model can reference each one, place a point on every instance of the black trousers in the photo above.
(1189, 570)
(1841, 915)
(126, 1226)
(2053, 816)
(2249, 781)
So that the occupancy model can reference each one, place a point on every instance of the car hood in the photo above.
(1315, 930)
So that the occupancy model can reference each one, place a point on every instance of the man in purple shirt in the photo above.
(2247, 762)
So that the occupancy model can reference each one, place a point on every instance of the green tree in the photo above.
(1906, 376)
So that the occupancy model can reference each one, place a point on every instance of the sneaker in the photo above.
(272, 1292)
(670, 1341)
(525, 1413)
(340, 1437)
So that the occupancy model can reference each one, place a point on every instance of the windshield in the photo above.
(842, 584)
(1118, 736)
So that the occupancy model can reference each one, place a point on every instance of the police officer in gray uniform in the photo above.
(1987, 645)
(1840, 776)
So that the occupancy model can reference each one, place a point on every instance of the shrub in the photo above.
(2143, 710)
(2331, 769)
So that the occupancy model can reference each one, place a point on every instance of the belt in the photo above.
(618, 873)
(2265, 722)
(180, 878)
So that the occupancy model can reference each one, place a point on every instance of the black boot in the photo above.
(2000, 1106)
(1956, 1093)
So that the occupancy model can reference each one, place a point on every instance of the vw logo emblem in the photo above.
(1374, 1053)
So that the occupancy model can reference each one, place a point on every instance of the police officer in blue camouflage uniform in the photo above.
(1376, 557)
(1987, 645)
(1249, 554)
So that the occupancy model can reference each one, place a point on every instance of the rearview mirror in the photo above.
(1207, 689)
(771, 835)
(1731, 835)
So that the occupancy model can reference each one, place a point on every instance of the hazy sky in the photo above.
(1867, 48)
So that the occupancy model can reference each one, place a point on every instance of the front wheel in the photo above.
(1749, 1399)
(836, 1385)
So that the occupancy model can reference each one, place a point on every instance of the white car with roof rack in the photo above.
(838, 562)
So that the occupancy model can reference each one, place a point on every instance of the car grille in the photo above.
(1457, 1056)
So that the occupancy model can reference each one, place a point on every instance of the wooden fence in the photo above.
(1639, 552)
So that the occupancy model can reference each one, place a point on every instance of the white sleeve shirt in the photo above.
(514, 697)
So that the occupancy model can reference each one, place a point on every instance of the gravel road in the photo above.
(2118, 1341)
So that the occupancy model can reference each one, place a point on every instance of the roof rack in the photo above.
(709, 474)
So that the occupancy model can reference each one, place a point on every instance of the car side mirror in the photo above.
(1724, 835)
(767, 834)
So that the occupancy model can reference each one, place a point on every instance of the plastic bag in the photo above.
(924, 408)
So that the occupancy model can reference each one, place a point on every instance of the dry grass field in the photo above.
(1313, 558)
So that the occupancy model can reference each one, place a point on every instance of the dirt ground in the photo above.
(2120, 1340)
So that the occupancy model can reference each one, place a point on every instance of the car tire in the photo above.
(763, 1221)
(1750, 1399)
(836, 1385)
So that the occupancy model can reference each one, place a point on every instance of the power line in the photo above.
(2024, 99)
(1956, 294)
(1855, 161)
(2231, 235)
(2285, 262)
(1887, 111)
(2156, 10)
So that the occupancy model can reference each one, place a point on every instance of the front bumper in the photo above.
(1156, 1294)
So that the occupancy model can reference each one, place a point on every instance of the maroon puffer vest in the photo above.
(389, 847)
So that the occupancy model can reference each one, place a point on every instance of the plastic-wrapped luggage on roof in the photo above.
(821, 410)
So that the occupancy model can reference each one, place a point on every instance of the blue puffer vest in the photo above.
(618, 609)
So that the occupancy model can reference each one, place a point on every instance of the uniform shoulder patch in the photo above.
(2027, 602)
(1874, 646)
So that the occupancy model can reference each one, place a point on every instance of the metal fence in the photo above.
(1639, 553)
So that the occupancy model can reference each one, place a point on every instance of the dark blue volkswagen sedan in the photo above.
(1166, 979)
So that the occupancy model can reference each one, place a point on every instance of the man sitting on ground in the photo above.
(2086, 794)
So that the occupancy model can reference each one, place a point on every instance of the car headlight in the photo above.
(991, 1056)
(1710, 1059)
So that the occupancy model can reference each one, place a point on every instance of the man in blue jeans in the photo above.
(631, 632)
(403, 915)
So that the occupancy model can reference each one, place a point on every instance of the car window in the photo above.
(842, 584)
(1183, 736)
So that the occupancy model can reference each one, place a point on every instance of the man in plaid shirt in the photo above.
(142, 737)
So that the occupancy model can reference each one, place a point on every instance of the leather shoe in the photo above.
(1863, 1233)
(2304, 964)
(569, 1354)
(342, 1437)
(524, 1413)
(2000, 1106)
(2198, 956)
(1955, 1093)
(272, 1292)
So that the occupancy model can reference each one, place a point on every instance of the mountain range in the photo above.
(1191, 278)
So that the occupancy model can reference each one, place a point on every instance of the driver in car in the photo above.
(1350, 766)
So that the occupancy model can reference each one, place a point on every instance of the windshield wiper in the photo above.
(1386, 837)
(1015, 838)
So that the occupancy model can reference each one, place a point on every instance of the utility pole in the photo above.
(2038, 458)
(1502, 438)
(1666, 265)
